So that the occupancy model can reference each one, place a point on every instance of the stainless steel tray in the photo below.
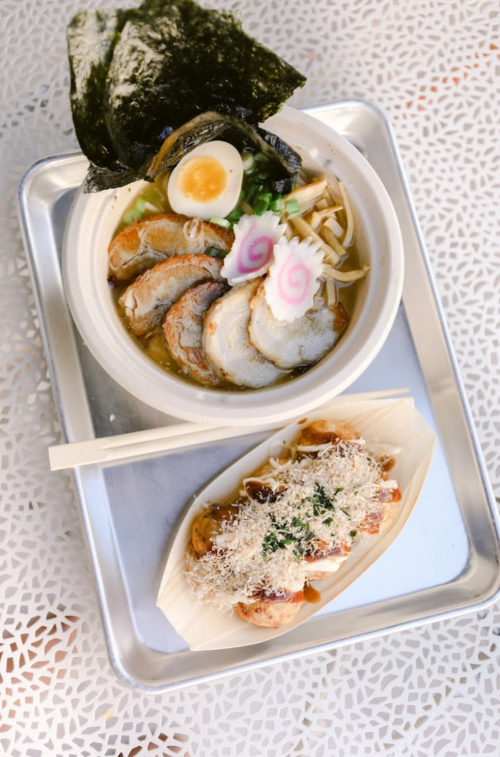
(446, 560)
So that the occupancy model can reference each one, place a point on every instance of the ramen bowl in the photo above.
(92, 224)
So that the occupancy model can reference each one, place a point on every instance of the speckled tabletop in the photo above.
(433, 66)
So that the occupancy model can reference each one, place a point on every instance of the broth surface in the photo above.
(155, 347)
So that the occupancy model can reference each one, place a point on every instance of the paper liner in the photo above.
(389, 421)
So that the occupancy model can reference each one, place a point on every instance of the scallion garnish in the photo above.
(218, 221)
(131, 216)
(235, 215)
(292, 207)
(248, 161)
(152, 196)
(266, 197)
(277, 203)
(151, 208)
(214, 252)
(321, 502)
(260, 207)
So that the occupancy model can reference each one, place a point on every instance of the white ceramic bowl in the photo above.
(89, 231)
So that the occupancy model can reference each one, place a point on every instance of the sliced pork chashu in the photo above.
(302, 342)
(227, 344)
(144, 244)
(183, 327)
(150, 296)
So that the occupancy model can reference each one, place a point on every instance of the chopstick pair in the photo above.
(171, 438)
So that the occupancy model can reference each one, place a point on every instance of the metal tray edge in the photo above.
(120, 669)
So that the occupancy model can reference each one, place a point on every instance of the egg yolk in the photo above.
(202, 179)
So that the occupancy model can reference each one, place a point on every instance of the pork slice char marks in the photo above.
(152, 294)
(183, 329)
(142, 245)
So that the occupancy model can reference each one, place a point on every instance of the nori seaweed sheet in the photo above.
(91, 40)
(138, 75)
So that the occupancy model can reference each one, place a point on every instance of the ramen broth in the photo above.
(155, 201)
(155, 346)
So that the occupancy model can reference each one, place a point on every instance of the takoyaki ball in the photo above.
(208, 524)
(376, 521)
(326, 558)
(262, 493)
(327, 432)
(273, 613)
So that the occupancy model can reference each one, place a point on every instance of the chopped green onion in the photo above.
(260, 207)
(152, 196)
(248, 161)
(131, 216)
(292, 207)
(261, 157)
(255, 190)
(352, 534)
(140, 205)
(215, 253)
(265, 197)
(151, 208)
(218, 221)
(235, 215)
(277, 204)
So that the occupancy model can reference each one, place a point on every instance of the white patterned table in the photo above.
(434, 67)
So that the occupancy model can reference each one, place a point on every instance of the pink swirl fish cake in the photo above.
(252, 253)
(294, 278)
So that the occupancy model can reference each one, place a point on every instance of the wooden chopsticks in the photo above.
(172, 438)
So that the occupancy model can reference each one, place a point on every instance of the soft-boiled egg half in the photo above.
(207, 181)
